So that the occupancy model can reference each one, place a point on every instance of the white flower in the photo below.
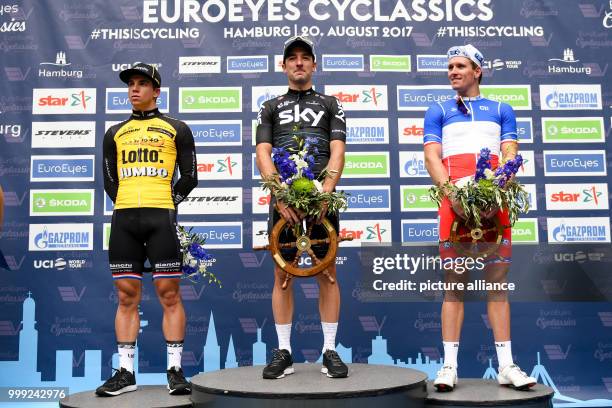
(193, 263)
(489, 174)
(318, 185)
(463, 181)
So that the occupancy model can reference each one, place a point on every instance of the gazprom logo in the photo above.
(216, 132)
(117, 100)
(246, 64)
(368, 198)
(61, 237)
(570, 230)
(412, 164)
(419, 98)
(260, 94)
(420, 231)
(432, 63)
(343, 62)
(570, 97)
(367, 130)
(219, 234)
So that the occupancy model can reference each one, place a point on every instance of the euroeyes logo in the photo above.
(117, 100)
(247, 64)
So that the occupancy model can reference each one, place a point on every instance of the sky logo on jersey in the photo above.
(246, 64)
(63, 134)
(365, 232)
(410, 130)
(390, 63)
(61, 237)
(68, 101)
(416, 198)
(218, 234)
(573, 130)
(200, 65)
(260, 94)
(117, 100)
(62, 168)
(367, 130)
(570, 97)
(517, 96)
(222, 166)
(368, 198)
(524, 130)
(420, 231)
(366, 165)
(210, 99)
(342, 62)
(260, 200)
(427, 63)
(61, 202)
(578, 230)
(420, 98)
(525, 231)
(218, 200)
(360, 97)
(216, 132)
(587, 196)
(574, 162)
(412, 164)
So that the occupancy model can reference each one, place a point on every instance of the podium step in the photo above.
(472, 392)
(146, 396)
(367, 386)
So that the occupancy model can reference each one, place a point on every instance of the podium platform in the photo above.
(146, 396)
(366, 386)
(474, 392)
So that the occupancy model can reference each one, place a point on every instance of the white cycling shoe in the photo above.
(446, 379)
(512, 376)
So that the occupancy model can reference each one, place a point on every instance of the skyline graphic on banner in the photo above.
(26, 365)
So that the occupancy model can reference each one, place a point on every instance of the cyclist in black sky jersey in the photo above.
(306, 113)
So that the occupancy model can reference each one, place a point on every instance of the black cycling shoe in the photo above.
(281, 365)
(122, 381)
(177, 384)
(333, 366)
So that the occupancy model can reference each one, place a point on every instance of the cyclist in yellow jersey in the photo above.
(140, 158)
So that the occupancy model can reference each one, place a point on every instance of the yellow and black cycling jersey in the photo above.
(140, 156)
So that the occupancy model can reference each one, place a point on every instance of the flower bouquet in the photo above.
(486, 190)
(295, 183)
(196, 259)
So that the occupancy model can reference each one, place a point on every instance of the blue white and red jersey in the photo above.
(462, 135)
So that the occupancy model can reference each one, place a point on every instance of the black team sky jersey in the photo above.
(140, 157)
(303, 113)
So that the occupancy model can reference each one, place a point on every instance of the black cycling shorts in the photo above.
(318, 232)
(138, 234)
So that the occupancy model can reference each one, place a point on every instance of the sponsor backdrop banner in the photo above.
(220, 60)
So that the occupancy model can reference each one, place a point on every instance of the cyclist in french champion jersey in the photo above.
(141, 155)
(455, 132)
(303, 112)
